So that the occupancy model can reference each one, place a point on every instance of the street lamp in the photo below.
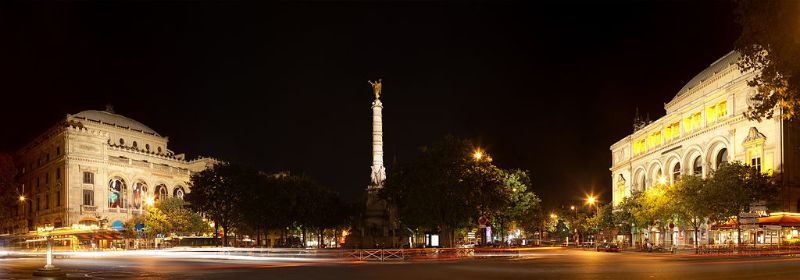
(662, 180)
(21, 198)
(478, 155)
(552, 215)
(149, 201)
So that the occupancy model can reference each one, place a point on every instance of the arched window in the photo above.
(121, 141)
(147, 147)
(697, 166)
(161, 192)
(116, 193)
(642, 182)
(722, 157)
(139, 192)
(676, 172)
(134, 144)
(659, 178)
(178, 192)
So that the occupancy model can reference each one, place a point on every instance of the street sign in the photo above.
(771, 227)
(748, 221)
(482, 222)
(749, 215)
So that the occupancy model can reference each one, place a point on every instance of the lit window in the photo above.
(116, 193)
(161, 192)
(139, 191)
(722, 109)
(178, 192)
(755, 160)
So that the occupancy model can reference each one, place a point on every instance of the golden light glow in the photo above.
(591, 200)
(572, 207)
(478, 155)
(21, 198)
(662, 180)
(553, 216)
(149, 201)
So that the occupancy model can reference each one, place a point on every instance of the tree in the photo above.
(180, 219)
(219, 193)
(770, 45)
(625, 213)
(691, 200)
(736, 187)
(517, 199)
(444, 187)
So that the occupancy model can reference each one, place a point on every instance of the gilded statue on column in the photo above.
(376, 88)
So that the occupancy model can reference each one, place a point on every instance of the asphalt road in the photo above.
(539, 264)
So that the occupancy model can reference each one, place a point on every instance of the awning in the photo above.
(780, 220)
(730, 224)
(88, 219)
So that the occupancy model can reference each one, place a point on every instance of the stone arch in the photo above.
(178, 191)
(160, 191)
(692, 153)
(716, 144)
(117, 188)
(653, 172)
(672, 163)
(639, 179)
(139, 192)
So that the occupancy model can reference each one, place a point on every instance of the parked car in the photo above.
(607, 247)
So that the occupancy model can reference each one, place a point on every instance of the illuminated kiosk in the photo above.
(376, 228)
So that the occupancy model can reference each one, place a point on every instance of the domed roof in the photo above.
(118, 120)
(721, 64)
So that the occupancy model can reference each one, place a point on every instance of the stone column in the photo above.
(378, 174)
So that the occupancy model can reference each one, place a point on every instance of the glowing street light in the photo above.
(572, 207)
(478, 155)
(591, 200)
(662, 180)
(21, 198)
(149, 201)
(552, 215)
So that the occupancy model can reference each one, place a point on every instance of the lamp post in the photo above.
(592, 201)
(49, 270)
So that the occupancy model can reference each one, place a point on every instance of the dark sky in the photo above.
(544, 87)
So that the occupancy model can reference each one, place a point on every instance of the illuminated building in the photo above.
(703, 127)
(95, 167)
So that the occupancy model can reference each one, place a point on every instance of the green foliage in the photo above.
(444, 187)
(770, 44)
(735, 186)
(156, 222)
(180, 219)
(220, 192)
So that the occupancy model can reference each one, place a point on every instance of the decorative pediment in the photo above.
(754, 138)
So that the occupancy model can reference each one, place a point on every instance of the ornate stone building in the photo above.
(703, 127)
(96, 167)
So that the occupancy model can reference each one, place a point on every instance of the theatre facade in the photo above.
(703, 127)
(95, 167)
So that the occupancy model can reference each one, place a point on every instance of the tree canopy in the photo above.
(770, 44)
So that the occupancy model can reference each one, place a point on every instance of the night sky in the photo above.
(543, 87)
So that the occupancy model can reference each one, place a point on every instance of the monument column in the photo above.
(378, 174)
